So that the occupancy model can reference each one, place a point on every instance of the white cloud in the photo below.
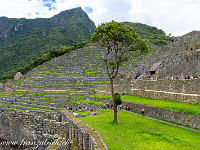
(173, 16)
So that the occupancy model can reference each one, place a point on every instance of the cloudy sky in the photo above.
(177, 17)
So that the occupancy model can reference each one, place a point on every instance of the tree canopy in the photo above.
(117, 40)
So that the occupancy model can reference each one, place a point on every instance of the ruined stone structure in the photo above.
(34, 129)
(18, 76)
(26, 129)
(180, 58)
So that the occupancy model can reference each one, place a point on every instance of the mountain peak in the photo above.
(22, 40)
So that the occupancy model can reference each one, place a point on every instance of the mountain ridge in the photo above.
(24, 40)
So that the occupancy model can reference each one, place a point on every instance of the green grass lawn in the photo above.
(88, 101)
(164, 104)
(135, 132)
(102, 96)
(84, 112)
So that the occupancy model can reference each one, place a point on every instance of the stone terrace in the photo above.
(80, 70)
(57, 83)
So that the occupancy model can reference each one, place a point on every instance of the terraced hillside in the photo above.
(80, 70)
(58, 82)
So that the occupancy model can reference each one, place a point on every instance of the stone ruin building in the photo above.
(180, 59)
(18, 76)
(37, 130)
(171, 72)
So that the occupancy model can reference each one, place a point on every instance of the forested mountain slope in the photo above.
(23, 40)
(154, 35)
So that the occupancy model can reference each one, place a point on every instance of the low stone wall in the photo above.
(169, 115)
(83, 139)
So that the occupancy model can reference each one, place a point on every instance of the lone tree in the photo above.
(117, 40)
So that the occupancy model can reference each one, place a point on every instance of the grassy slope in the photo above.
(163, 104)
(136, 132)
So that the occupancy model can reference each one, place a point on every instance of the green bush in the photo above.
(117, 99)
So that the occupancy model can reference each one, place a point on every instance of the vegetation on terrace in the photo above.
(38, 100)
(52, 54)
(84, 74)
(163, 104)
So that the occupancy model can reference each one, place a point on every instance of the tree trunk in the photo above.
(115, 113)
(114, 105)
(112, 89)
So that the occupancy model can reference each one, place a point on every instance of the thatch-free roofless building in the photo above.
(154, 69)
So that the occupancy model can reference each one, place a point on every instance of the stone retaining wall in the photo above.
(169, 115)
(176, 90)
(83, 139)
(190, 86)
(187, 98)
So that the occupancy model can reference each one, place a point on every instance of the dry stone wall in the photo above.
(26, 128)
(175, 90)
(191, 86)
(83, 139)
